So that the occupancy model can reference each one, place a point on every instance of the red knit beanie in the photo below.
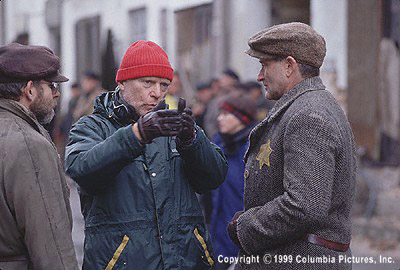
(144, 59)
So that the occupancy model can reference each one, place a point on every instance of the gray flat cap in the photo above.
(295, 39)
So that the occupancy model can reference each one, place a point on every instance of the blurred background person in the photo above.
(256, 93)
(204, 94)
(215, 87)
(61, 132)
(91, 88)
(226, 83)
(239, 89)
(174, 92)
(236, 119)
(228, 79)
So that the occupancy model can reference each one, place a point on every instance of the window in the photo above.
(194, 47)
(137, 22)
(284, 11)
(88, 45)
(163, 28)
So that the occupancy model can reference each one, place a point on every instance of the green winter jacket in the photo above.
(139, 202)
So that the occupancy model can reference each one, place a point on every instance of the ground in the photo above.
(376, 236)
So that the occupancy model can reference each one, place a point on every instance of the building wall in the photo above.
(247, 17)
(114, 15)
(329, 18)
(242, 19)
(2, 23)
(26, 16)
(29, 16)
(364, 28)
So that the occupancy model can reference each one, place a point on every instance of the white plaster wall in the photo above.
(114, 15)
(153, 21)
(38, 32)
(72, 12)
(171, 37)
(329, 18)
(26, 16)
(247, 18)
(15, 20)
(184, 4)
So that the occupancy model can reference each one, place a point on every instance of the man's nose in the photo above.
(157, 92)
(56, 94)
(260, 76)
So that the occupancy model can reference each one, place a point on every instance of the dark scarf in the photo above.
(231, 142)
(120, 110)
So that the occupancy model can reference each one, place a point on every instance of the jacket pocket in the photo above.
(195, 250)
(204, 247)
(117, 253)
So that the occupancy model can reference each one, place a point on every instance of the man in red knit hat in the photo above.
(138, 166)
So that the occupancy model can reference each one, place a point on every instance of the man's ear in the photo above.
(290, 65)
(29, 92)
(121, 86)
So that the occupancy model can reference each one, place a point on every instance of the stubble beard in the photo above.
(43, 111)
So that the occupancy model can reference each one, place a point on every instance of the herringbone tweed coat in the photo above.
(299, 179)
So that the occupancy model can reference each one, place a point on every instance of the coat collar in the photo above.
(113, 106)
(19, 110)
(309, 84)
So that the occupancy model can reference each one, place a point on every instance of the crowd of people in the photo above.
(275, 169)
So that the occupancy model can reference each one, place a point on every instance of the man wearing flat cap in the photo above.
(36, 221)
(300, 165)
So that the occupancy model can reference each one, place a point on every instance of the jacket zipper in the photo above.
(156, 213)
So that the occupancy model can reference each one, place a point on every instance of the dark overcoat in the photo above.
(35, 214)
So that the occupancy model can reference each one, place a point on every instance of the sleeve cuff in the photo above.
(240, 230)
(186, 148)
(132, 141)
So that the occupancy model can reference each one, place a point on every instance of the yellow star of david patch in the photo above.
(264, 153)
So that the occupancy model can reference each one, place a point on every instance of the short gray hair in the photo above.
(12, 90)
(308, 71)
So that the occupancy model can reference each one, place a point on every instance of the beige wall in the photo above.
(364, 34)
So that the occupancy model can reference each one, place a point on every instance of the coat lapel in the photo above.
(309, 84)
(14, 108)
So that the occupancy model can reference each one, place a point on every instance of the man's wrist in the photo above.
(135, 129)
(188, 141)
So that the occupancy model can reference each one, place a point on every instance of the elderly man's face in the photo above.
(43, 105)
(272, 75)
(144, 93)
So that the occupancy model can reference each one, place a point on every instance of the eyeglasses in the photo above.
(53, 86)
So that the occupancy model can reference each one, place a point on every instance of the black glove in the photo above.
(187, 134)
(159, 122)
(232, 229)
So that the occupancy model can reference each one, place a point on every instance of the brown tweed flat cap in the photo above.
(295, 39)
(21, 63)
